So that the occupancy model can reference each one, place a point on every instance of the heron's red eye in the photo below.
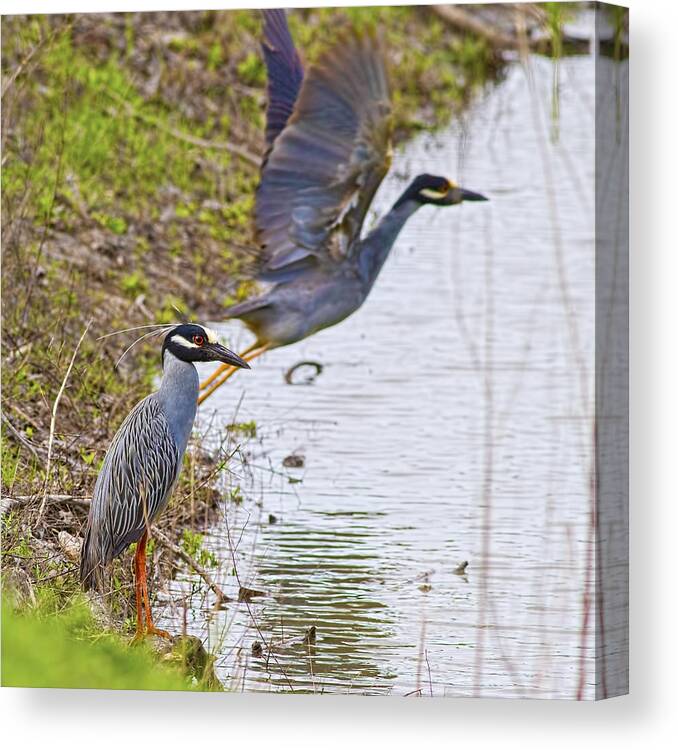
(198, 340)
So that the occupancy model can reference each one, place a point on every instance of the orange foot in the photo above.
(160, 633)
(142, 633)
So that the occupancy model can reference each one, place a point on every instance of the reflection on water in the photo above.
(327, 567)
(452, 422)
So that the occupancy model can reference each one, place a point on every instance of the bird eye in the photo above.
(198, 340)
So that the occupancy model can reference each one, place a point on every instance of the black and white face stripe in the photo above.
(191, 342)
(438, 191)
(194, 339)
(427, 188)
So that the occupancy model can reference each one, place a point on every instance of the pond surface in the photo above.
(452, 422)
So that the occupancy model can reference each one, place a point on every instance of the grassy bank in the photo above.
(48, 646)
(130, 151)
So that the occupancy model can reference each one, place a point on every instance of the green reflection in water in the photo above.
(329, 577)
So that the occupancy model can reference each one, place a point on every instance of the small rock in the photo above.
(310, 635)
(294, 461)
(70, 545)
(17, 585)
(66, 517)
(220, 602)
(246, 595)
(272, 519)
(196, 661)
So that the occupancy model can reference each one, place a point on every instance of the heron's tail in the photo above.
(92, 562)
(245, 309)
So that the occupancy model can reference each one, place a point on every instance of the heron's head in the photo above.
(193, 343)
(438, 191)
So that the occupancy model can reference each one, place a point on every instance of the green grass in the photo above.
(433, 72)
(246, 429)
(68, 650)
(193, 544)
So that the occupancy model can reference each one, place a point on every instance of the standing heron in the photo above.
(328, 135)
(143, 463)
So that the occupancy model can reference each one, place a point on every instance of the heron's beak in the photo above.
(219, 353)
(469, 195)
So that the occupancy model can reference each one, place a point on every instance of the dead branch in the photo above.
(11, 501)
(52, 425)
(464, 21)
(167, 543)
(233, 148)
(23, 440)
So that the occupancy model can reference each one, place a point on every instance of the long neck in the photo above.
(377, 245)
(178, 397)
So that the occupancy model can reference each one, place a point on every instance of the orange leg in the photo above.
(139, 557)
(142, 594)
(224, 366)
(248, 355)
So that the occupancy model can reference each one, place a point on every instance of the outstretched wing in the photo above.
(284, 69)
(328, 162)
(134, 484)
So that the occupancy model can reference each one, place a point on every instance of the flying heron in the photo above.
(328, 135)
(143, 463)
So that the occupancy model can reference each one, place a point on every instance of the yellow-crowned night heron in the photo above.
(143, 462)
(329, 147)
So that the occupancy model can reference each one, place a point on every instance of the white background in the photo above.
(646, 718)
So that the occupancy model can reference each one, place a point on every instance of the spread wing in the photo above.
(326, 165)
(134, 484)
(284, 69)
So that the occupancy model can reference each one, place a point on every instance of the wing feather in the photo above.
(284, 69)
(133, 486)
(328, 162)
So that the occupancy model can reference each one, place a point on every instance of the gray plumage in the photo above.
(325, 293)
(141, 468)
(143, 463)
(329, 136)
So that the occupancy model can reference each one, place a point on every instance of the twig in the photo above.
(66, 572)
(464, 21)
(26, 417)
(233, 148)
(23, 440)
(52, 425)
(25, 349)
(180, 552)
(9, 501)
(249, 609)
(488, 461)
(305, 363)
(48, 219)
(9, 82)
(428, 666)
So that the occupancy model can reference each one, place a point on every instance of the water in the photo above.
(452, 422)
